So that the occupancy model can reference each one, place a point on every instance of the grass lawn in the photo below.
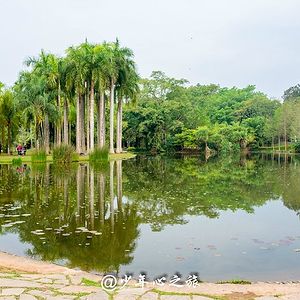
(6, 159)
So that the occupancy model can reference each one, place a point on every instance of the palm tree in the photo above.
(75, 80)
(100, 75)
(36, 105)
(127, 87)
(49, 67)
(8, 114)
(112, 74)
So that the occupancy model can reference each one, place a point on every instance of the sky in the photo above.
(228, 42)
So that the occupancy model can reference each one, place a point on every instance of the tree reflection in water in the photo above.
(89, 215)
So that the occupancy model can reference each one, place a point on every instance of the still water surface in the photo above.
(224, 219)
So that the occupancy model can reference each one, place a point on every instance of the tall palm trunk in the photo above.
(66, 127)
(119, 126)
(46, 134)
(2, 137)
(82, 119)
(37, 135)
(92, 120)
(111, 118)
(78, 125)
(58, 127)
(8, 137)
(103, 134)
(87, 112)
(101, 121)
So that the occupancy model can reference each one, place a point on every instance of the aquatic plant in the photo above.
(17, 161)
(64, 154)
(38, 156)
(99, 155)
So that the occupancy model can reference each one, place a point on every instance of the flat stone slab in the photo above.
(130, 293)
(290, 297)
(267, 298)
(12, 292)
(150, 296)
(61, 297)
(175, 297)
(18, 283)
(40, 294)
(26, 297)
(76, 289)
(96, 296)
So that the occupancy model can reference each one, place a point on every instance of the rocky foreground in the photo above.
(25, 279)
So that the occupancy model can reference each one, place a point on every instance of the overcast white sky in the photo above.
(230, 42)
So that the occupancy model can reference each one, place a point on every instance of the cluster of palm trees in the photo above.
(58, 94)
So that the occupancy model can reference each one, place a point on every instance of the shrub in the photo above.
(131, 149)
(38, 156)
(64, 154)
(297, 147)
(17, 161)
(99, 155)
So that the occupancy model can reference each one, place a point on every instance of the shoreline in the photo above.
(7, 159)
(15, 270)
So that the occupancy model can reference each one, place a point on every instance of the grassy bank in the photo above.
(7, 159)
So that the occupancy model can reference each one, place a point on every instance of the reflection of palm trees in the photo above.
(119, 185)
(101, 187)
(63, 205)
(112, 195)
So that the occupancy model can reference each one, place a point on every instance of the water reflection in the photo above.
(92, 216)
(67, 215)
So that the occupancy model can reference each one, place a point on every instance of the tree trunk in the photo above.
(66, 125)
(98, 123)
(285, 137)
(46, 134)
(111, 118)
(58, 127)
(2, 138)
(101, 121)
(87, 104)
(58, 134)
(8, 137)
(82, 121)
(78, 125)
(37, 142)
(119, 126)
(92, 120)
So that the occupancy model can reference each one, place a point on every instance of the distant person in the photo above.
(23, 152)
(19, 149)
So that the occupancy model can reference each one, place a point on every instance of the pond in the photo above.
(225, 219)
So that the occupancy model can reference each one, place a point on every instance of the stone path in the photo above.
(25, 286)
(25, 279)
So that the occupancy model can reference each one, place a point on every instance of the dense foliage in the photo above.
(71, 100)
(172, 115)
(62, 100)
